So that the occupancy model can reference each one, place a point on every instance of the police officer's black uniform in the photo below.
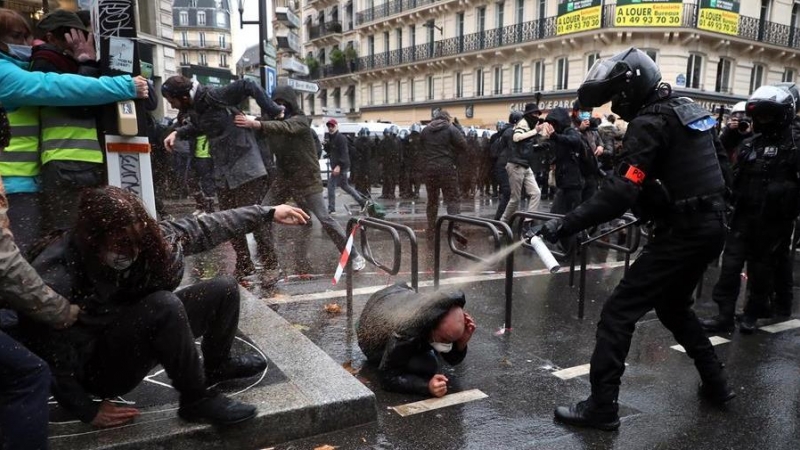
(766, 203)
(670, 173)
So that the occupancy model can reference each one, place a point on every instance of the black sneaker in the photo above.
(718, 324)
(217, 409)
(242, 366)
(747, 325)
(587, 414)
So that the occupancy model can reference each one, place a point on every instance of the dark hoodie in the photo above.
(292, 143)
(441, 142)
(566, 146)
(395, 327)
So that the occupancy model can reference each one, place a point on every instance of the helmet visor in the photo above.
(602, 82)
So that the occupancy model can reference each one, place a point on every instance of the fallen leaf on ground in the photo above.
(325, 447)
(333, 308)
(300, 327)
(348, 366)
(505, 362)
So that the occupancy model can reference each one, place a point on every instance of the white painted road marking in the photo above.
(572, 372)
(715, 340)
(782, 326)
(447, 281)
(430, 404)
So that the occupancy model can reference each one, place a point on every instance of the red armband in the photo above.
(635, 174)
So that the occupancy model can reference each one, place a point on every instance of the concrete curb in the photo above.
(317, 397)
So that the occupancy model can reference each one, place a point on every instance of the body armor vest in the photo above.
(767, 178)
(687, 176)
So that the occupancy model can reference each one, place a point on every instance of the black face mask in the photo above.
(5, 129)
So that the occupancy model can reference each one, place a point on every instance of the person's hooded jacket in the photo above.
(102, 292)
(566, 145)
(396, 325)
(441, 143)
(234, 150)
(292, 143)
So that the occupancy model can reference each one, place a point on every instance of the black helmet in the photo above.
(772, 108)
(363, 131)
(514, 117)
(794, 90)
(626, 80)
(416, 128)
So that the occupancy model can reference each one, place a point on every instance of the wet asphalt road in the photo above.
(658, 399)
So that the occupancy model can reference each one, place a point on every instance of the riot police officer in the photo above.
(670, 173)
(413, 159)
(361, 161)
(390, 153)
(766, 187)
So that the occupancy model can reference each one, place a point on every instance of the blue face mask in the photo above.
(584, 115)
(21, 52)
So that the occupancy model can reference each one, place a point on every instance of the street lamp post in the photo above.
(262, 38)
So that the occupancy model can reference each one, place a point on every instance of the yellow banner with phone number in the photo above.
(649, 13)
(577, 16)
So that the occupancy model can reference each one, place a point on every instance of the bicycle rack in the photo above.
(392, 228)
(632, 244)
(519, 217)
(492, 226)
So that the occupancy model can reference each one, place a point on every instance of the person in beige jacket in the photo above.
(24, 377)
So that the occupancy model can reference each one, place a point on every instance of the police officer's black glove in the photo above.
(548, 230)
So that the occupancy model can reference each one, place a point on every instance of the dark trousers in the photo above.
(447, 181)
(25, 217)
(541, 180)
(342, 182)
(24, 390)
(501, 177)
(565, 201)
(663, 278)
(391, 178)
(784, 283)
(312, 204)
(728, 286)
(247, 194)
(202, 182)
(161, 329)
(61, 193)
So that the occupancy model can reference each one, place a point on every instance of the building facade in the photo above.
(154, 22)
(203, 40)
(480, 59)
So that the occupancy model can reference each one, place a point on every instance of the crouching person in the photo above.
(122, 268)
(405, 333)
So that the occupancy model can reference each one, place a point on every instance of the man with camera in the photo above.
(736, 131)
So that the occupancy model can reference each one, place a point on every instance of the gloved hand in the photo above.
(549, 230)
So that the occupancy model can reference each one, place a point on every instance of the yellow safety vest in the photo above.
(68, 138)
(21, 157)
(201, 147)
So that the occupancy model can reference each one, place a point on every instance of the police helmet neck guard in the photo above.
(772, 109)
(627, 80)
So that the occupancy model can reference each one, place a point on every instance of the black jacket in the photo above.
(102, 292)
(441, 143)
(234, 150)
(338, 151)
(566, 145)
(395, 325)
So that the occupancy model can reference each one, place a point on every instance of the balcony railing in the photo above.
(387, 9)
(324, 29)
(750, 28)
(210, 45)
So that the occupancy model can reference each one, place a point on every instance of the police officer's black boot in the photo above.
(590, 414)
(714, 386)
(722, 322)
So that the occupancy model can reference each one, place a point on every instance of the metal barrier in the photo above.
(366, 223)
(632, 244)
(518, 219)
(632, 241)
(492, 226)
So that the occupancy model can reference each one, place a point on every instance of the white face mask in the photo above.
(441, 347)
(21, 52)
(118, 261)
